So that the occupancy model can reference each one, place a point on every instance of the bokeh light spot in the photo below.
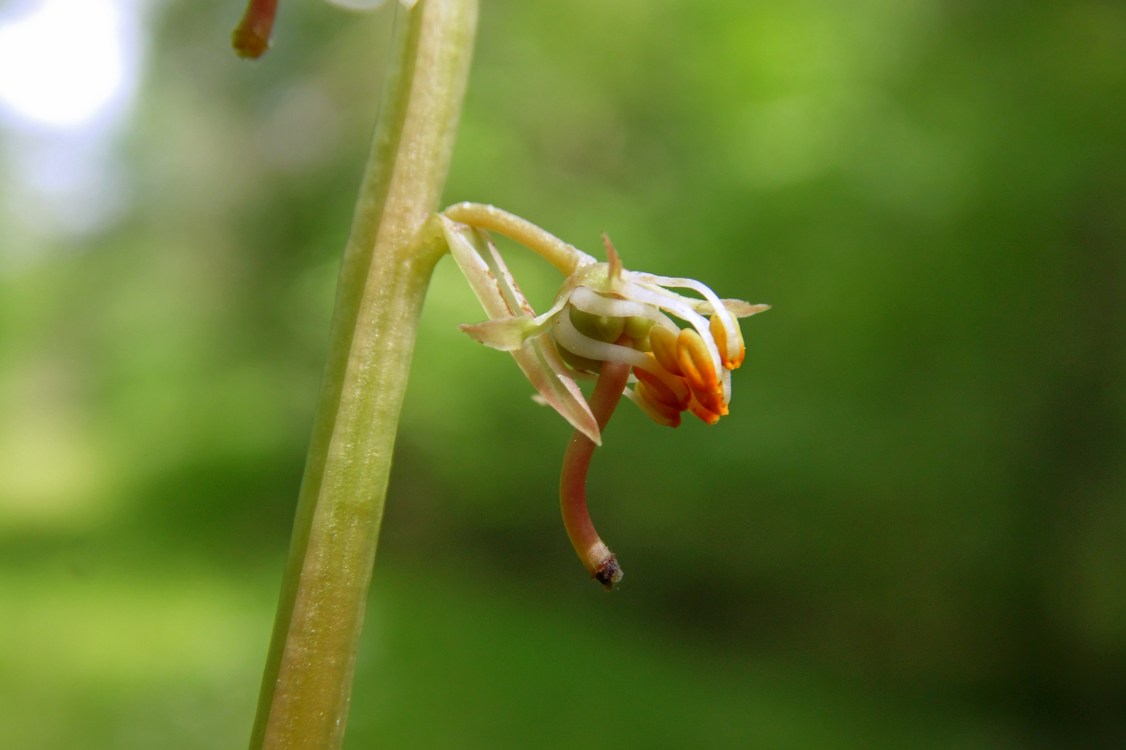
(63, 63)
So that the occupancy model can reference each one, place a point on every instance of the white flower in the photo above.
(681, 349)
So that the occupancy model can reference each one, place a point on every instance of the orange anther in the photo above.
(662, 391)
(731, 360)
(663, 343)
(661, 412)
(703, 413)
(695, 362)
(712, 401)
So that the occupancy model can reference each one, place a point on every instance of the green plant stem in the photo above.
(307, 683)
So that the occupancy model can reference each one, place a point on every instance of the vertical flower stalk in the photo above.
(307, 683)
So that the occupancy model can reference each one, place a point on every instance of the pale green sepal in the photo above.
(513, 327)
(485, 271)
(741, 309)
(546, 371)
(506, 334)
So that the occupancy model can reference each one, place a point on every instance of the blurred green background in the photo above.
(910, 532)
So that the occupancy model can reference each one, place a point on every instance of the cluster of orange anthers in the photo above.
(695, 386)
(608, 314)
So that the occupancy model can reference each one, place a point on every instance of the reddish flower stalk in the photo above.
(595, 555)
(251, 38)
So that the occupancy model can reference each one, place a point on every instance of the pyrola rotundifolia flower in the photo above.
(667, 351)
(609, 314)
(604, 313)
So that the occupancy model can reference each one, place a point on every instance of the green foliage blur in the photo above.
(909, 533)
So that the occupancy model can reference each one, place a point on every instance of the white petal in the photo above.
(726, 318)
(576, 342)
(590, 301)
(680, 306)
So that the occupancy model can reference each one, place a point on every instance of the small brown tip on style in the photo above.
(248, 44)
(609, 573)
(251, 38)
